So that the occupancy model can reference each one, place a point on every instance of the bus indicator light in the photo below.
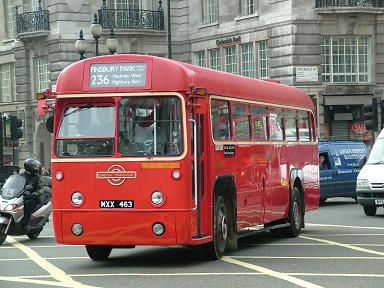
(59, 175)
(176, 174)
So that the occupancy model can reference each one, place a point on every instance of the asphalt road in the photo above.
(340, 247)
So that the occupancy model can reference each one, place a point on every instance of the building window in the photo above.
(200, 58)
(248, 7)
(247, 60)
(6, 83)
(214, 59)
(231, 59)
(10, 19)
(263, 71)
(42, 74)
(210, 11)
(345, 59)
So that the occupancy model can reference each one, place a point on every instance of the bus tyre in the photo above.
(295, 215)
(370, 210)
(97, 252)
(215, 250)
(3, 236)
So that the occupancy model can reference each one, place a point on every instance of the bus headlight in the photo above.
(362, 183)
(77, 198)
(157, 198)
(158, 229)
(77, 229)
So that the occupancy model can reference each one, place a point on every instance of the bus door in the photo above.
(198, 130)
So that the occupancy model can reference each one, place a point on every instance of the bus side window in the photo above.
(290, 126)
(240, 113)
(259, 123)
(221, 128)
(303, 125)
(276, 124)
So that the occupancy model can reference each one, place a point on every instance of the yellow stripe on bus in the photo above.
(175, 165)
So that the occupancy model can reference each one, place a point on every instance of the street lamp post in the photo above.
(112, 42)
(96, 30)
(81, 45)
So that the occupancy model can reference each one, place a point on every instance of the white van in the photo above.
(370, 181)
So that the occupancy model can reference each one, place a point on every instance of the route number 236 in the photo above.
(99, 80)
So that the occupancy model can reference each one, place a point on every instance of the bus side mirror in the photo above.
(362, 161)
(49, 124)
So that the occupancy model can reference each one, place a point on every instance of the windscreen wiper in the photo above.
(78, 109)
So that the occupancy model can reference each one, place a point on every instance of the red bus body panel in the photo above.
(261, 171)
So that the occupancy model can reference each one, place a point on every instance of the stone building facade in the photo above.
(331, 49)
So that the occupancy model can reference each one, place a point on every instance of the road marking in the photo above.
(33, 281)
(197, 274)
(272, 273)
(344, 226)
(310, 257)
(338, 275)
(343, 234)
(307, 244)
(352, 247)
(55, 272)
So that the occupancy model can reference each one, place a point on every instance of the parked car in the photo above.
(340, 168)
(370, 181)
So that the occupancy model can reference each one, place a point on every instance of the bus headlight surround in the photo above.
(157, 198)
(77, 198)
(362, 183)
(77, 229)
(158, 229)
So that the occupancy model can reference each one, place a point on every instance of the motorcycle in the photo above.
(12, 195)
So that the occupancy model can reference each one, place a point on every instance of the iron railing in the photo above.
(32, 21)
(349, 3)
(131, 18)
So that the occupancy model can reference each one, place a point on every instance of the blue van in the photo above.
(340, 167)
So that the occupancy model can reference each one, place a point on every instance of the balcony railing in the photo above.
(349, 3)
(131, 18)
(32, 21)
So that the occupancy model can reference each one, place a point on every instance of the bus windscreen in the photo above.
(150, 126)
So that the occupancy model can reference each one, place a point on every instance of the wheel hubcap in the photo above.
(296, 215)
(223, 226)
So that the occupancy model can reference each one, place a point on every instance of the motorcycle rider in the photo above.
(31, 174)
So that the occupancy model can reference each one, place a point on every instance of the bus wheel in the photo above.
(97, 252)
(216, 248)
(370, 210)
(295, 215)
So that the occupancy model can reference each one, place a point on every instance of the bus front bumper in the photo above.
(120, 228)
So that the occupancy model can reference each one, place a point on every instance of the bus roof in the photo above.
(169, 75)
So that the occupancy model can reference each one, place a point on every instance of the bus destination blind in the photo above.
(109, 75)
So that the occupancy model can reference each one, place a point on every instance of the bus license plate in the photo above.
(379, 202)
(116, 204)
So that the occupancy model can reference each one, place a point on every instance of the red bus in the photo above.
(151, 151)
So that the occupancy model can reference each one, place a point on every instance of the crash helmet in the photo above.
(32, 166)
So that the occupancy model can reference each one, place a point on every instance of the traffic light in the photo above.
(15, 124)
(370, 115)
